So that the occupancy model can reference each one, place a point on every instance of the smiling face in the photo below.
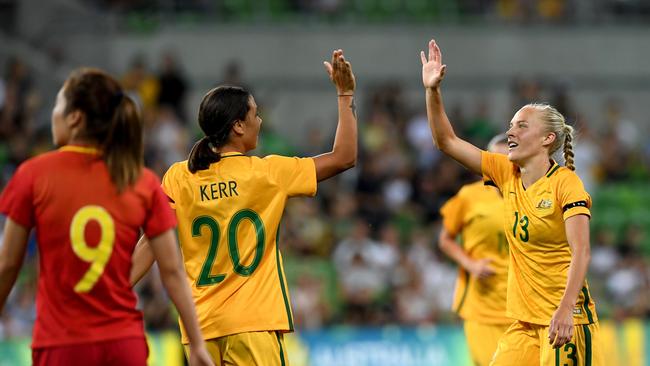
(527, 136)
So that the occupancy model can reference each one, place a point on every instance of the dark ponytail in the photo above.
(112, 121)
(123, 147)
(202, 155)
(220, 108)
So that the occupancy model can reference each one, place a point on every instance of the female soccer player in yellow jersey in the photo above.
(474, 214)
(547, 228)
(229, 207)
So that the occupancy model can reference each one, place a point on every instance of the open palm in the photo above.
(433, 71)
(340, 72)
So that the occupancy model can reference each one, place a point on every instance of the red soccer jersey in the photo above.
(86, 234)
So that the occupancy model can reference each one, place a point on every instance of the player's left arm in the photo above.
(344, 150)
(142, 260)
(577, 232)
(12, 253)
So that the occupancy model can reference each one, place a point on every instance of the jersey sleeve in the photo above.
(296, 176)
(17, 200)
(160, 217)
(496, 169)
(168, 186)
(452, 213)
(572, 196)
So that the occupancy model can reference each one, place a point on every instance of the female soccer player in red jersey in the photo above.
(546, 224)
(229, 206)
(87, 202)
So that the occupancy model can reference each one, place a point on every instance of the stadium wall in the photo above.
(284, 63)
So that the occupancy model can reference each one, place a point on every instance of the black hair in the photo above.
(220, 108)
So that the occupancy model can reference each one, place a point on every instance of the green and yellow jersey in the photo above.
(539, 252)
(228, 219)
(474, 213)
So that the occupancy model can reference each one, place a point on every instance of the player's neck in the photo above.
(534, 169)
(232, 147)
(80, 141)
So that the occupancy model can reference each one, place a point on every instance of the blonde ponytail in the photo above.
(568, 147)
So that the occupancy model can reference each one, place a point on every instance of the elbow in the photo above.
(444, 246)
(587, 254)
(345, 161)
(349, 163)
(444, 242)
(170, 270)
(583, 254)
(443, 143)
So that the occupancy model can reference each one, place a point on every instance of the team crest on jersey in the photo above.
(545, 203)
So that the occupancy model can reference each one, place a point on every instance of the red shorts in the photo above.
(127, 352)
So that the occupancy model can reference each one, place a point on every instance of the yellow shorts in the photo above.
(482, 340)
(527, 344)
(247, 349)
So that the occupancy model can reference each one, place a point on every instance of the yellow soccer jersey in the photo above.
(539, 252)
(228, 222)
(475, 214)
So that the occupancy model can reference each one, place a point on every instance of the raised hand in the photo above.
(340, 72)
(433, 71)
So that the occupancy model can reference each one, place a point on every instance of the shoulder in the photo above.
(179, 167)
(148, 175)
(283, 162)
(497, 164)
(46, 158)
(471, 189)
(565, 177)
(496, 158)
(38, 163)
(176, 170)
(276, 158)
(467, 191)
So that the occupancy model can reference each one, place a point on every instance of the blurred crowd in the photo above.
(364, 251)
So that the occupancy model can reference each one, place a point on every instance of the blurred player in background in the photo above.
(548, 230)
(229, 207)
(88, 202)
(475, 214)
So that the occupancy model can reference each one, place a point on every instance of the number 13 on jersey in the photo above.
(520, 226)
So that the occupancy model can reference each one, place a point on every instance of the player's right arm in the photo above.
(165, 252)
(344, 151)
(479, 268)
(433, 71)
(12, 253)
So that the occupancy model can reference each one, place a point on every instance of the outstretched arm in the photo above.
(12, 253)
(344, 151)
(433, 71)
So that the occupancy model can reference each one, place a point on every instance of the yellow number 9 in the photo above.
(99, 255)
